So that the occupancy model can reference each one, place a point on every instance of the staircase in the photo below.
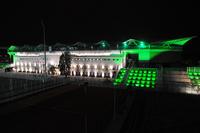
(175, 81)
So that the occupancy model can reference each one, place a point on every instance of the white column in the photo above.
(81, 72)
(103, 74)
(95, 73)
(111, 74)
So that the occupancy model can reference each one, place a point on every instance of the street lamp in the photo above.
(44, 39)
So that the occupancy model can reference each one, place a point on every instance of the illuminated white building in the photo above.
(102, 63)
(93, 63)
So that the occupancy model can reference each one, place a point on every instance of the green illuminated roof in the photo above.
(134, 42)
(179, 42)
(12, 48)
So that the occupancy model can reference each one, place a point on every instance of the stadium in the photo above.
(131, 63)
(102, 62)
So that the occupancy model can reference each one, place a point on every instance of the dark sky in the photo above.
(91, 21)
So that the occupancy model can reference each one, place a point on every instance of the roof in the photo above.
(178, 42)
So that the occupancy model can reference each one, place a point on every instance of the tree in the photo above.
(65, 63)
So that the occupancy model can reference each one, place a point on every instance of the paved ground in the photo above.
(72, 109)
(163, 112)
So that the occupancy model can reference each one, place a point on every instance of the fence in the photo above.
(14, 86)
(98, 82)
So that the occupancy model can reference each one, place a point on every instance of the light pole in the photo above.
(44, 39)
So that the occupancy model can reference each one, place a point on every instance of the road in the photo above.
(162, 112)
(71, 108)
(60, 110)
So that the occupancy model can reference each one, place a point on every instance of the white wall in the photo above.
(34, 61)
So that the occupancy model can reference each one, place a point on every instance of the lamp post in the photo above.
(44, 39)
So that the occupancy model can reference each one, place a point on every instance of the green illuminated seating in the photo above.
(138, 77)
(120, 77)
(144, 75)
(142, 78)
(194, 75)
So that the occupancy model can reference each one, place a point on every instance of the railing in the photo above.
(12, 88)
(193, 69)
(91, 81)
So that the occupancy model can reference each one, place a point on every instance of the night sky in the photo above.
(92, 21)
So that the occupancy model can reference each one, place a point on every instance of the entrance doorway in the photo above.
(132, 60)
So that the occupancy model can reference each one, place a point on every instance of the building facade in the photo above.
(96, 63)
(102, 63)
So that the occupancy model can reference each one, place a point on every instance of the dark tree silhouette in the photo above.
(65, 63)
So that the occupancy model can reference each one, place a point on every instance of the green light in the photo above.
(142, 85)
(125, 45)
(103, 45)
(142, 45)
(147, 86)
(115, 83)
(144, 75)
(148, 82)
(134, 77)
(191, 77)
(143, 78)
(180, 42)
(195, 74)
(149, 75)
(154, 75)
(137, 85)
(12, 49)
(153, 79)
